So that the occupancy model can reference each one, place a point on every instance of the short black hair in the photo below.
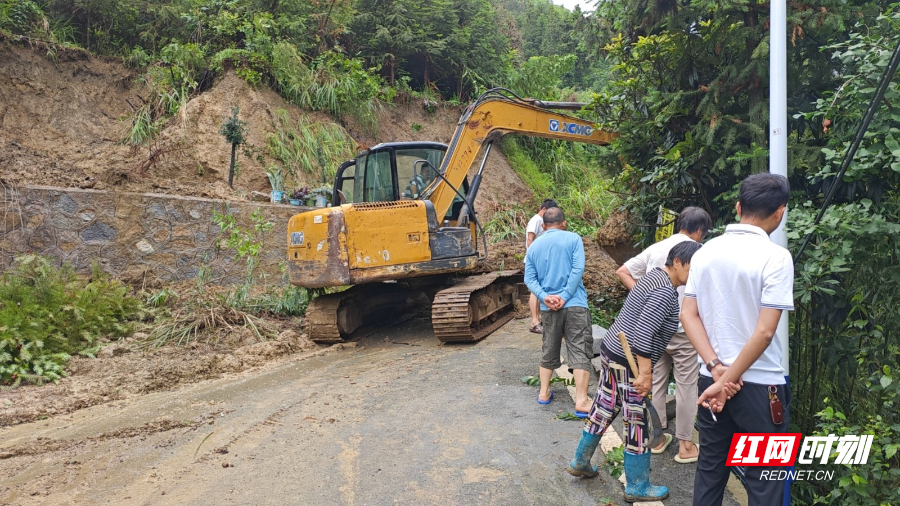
(548, 203)
(682, 251)
(693, 219)
(762, 194)
(554, 216)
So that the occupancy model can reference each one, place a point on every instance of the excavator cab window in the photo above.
(390, 172)
(379, 181)
(414, 177)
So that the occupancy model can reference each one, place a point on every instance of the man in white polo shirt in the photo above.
(693, 225)
(738, 286)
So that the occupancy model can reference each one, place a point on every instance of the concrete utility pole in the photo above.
(778, 149)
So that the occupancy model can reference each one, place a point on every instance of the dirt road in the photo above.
(396, 419)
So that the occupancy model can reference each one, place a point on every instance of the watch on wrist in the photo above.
(712, 363)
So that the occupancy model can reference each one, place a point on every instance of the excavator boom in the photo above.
(495, 114)
(388, 230)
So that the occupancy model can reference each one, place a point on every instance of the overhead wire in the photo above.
(874, 105)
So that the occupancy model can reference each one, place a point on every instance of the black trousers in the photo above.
(748, 411)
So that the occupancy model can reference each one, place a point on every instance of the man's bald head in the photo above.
(554, 218)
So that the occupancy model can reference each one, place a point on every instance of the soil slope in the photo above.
(62, 121)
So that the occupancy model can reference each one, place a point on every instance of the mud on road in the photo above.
(125, 370)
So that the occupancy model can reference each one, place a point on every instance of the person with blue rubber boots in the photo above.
(648, 318)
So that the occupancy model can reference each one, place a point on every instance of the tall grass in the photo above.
(565, 172)
(508, 223)
(309, 148)
(331, 82)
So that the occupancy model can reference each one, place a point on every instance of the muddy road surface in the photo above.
(393, 418)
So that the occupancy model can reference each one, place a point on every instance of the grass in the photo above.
(309, 148)
(507, 223)
(559, 170)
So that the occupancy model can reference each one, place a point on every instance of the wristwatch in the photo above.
(712, 363)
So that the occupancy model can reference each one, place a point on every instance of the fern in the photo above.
(48, 313)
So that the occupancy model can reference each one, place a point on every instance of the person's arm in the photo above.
(574, 279)
(634, 269)
(625, 275)
(693, 327)
(644, 382)
(531, 281)
(529, 238)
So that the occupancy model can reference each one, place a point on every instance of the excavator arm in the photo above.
(411, 242)
(496, 113)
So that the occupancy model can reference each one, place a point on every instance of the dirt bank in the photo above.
(600, 269)
(62, 122)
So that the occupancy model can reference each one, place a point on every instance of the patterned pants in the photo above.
(616, 393)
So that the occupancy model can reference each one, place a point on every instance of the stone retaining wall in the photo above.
(143, 238)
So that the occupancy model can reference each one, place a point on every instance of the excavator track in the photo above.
(474, 308)
(335, 317)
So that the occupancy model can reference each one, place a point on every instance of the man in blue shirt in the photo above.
(554, 265)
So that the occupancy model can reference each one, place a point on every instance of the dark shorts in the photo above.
(575, 324)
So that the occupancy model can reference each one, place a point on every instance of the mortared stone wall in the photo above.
(140, 238)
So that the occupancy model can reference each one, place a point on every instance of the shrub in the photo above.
(48, 314)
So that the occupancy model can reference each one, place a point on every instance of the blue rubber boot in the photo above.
(637, 477)
(581, 465)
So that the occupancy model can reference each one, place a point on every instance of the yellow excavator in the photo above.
(402, 231)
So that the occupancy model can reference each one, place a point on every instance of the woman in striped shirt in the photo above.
(648, 318)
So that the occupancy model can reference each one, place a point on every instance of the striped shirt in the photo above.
(648, 318)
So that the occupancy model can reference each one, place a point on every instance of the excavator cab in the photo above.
(388, 172)
(404, 213)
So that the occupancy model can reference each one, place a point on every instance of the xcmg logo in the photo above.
(570, 128)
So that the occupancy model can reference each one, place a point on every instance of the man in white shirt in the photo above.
(533, 230)
(693, 225)
(738, 286)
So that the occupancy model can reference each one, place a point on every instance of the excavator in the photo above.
(402, 231)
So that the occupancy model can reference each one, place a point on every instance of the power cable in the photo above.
(863, 127)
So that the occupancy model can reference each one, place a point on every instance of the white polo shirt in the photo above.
(535, 226)
(655, 256)
(732, 277)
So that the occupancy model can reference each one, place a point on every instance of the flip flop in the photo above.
(537, 329)
(668, 438)
(544, 403)
(581, 414)
(685, 461)
(688, 460)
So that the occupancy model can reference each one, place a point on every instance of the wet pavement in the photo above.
(396, 419)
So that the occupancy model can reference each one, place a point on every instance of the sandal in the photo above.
(537, 329)
(687, 460)
(544, 403)
(668, 441)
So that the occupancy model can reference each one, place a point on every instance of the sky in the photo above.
(586, 5)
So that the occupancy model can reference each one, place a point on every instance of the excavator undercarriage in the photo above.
(462, 309)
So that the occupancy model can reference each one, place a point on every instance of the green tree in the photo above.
(233, 131)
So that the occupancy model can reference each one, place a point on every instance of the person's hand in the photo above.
(553, 302)
(562, 303)
(714, 397)
(643, 383)
(731, 388)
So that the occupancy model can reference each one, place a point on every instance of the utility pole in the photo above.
(778, 152)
